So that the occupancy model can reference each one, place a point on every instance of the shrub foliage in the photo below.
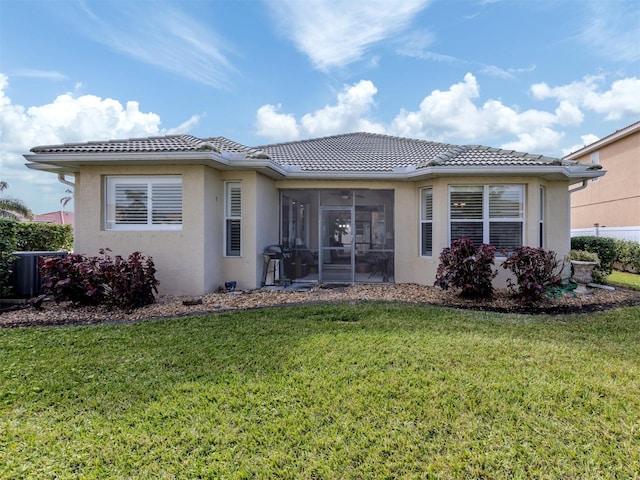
(28, 237)
(111, 281)
(536, 270)
(604, 247)
(628, 255)
(468, 268)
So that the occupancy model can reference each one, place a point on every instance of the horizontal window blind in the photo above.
(143, 202)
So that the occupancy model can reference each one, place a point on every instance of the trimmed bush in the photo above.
(536, 271)
(604, 247)
(48, 237)
(114, 282)
(628, 255)
(468, 268)
(7, 247)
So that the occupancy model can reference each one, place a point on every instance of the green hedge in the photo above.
(628, 255)
(7, 246)
(606, 250)
(34, 237)
(29, 237)
(623, 254)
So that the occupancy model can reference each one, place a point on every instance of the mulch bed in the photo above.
(174, 306)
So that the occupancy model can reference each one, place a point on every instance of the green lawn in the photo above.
(624, 279)
(339, 391)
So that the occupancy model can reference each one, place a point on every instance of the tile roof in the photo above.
(367, 152)
(169, 143)
(351, 152)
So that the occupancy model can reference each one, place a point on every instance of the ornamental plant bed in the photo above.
(173, 306)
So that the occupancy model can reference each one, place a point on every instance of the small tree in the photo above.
(10, 207)
(468, 268)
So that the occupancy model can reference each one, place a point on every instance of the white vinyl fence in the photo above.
(621, 233)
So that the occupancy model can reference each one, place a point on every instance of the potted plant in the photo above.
(583, 263)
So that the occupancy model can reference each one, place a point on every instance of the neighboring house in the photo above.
(610, 206)
(347, 208)
(60, 217)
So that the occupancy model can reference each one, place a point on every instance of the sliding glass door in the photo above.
(336, 244)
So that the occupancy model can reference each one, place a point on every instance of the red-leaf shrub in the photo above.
(114, 282)
(73, 278)
(536, 271)
(468, 268)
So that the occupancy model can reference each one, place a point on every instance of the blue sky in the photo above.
(541, 76)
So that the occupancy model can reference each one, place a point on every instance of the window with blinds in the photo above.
(143, 203)
(426, 222)
(233, 219)
(491, 214)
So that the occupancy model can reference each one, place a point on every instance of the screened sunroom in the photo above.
(338, 235)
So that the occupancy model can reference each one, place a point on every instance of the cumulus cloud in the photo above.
(349, 114)
(587, 139)
(337, 32)
(621, 100)
(67, 119)
(272, 124)
(453, 115)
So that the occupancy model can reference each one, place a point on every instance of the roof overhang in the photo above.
(71, 163)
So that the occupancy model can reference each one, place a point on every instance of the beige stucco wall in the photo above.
(192, 261)
(410, 267)
(259, 228)
(185, 260)
(612, 200)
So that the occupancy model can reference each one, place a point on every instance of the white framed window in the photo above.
(426, 222)
(233, 219)
(492, 214)
(143, 202)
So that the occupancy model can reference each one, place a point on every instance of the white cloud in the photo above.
(349, 114)
(46, 74)
(272, 124)
(160, 35)
(587, 139)
(541, 139)
(67, 119)
(610, 29)
(620, 101)
(337, 32)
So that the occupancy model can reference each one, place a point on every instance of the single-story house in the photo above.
(357, 207)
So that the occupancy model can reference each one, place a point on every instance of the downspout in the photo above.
(61, 179)
(581, 187)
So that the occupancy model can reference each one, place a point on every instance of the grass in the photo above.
(341, 391)
(624, 279)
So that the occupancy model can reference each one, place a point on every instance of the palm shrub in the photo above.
(467, 267)
(536, 271)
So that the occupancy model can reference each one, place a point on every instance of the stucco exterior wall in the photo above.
(192, 261)
(182, 258)
(613, 200)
